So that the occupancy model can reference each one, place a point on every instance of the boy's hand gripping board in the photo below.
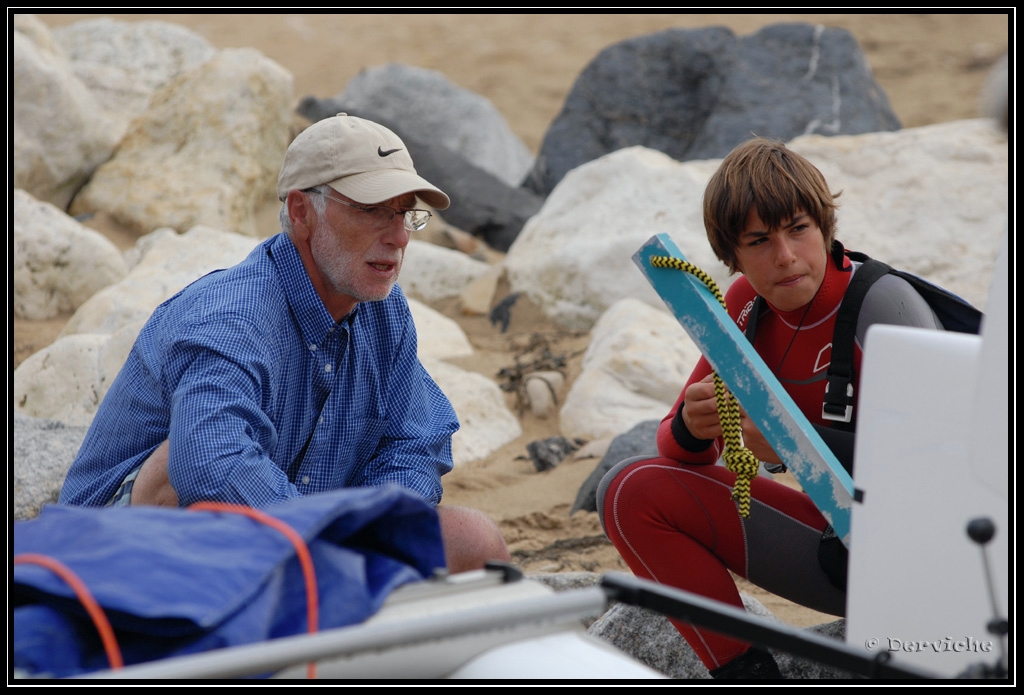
(746, 375)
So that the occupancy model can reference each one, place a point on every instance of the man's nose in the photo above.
(396, 233)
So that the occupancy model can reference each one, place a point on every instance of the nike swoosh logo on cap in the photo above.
(385, 153)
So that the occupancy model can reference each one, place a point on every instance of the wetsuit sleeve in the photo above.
(890, 300)
(674, 440)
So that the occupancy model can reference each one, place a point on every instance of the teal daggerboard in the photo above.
(746, 375)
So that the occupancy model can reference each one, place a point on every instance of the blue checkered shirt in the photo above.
(265, 397)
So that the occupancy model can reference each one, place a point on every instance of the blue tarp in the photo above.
(175, 582)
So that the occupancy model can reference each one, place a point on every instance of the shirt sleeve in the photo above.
(220, 433)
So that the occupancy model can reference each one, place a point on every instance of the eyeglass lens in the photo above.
(415, 220)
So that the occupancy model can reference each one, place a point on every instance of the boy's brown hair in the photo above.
(775, 180)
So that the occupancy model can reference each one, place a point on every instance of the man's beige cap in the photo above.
(359, 159)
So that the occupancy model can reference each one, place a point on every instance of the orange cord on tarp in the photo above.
(95, 611)
(99, 618)
(301, 551)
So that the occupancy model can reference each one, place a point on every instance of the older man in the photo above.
(294, 372)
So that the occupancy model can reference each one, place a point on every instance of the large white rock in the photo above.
(432, 273)
(162, 263)
(123, 63)
(61, 134)
(932, 200)
(58, 263)
(437, 335)
(574, 257)
(633, 370)
(486, 422)
(66, 381)
(207, 151)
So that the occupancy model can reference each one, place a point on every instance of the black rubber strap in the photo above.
(838, 403)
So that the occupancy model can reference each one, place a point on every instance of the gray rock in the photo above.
(548, 453)
(43, 452)
(424, 105)
(501, 313)
(650, 638)
(567, 581)
(482, 204)
(697, 93)
(639, 441)
(563, 581)
(794, 667)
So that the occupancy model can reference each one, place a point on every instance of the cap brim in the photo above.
(377, 186)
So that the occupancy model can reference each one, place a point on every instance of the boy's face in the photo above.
(785, 265)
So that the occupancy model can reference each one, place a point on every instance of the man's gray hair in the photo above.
(319, 203)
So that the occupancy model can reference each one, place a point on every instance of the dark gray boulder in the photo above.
(425, 105)
(697, 93)
(638, 441)
(548, 453)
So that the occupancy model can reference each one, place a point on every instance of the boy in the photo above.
(769, 214)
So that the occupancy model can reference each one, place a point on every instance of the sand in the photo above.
(931, 66)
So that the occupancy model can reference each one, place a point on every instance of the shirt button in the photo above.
(312, 348)
(320, 420)
(305, 480)
(327, 367)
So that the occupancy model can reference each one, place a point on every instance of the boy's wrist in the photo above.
(684, 437)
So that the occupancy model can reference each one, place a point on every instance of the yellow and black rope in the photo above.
(738, 459)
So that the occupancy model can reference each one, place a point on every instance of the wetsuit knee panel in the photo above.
(607, 480)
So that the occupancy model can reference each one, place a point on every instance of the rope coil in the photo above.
(738, 459)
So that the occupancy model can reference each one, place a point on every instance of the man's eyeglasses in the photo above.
(383, 215)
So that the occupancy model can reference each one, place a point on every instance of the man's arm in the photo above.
(222, 439)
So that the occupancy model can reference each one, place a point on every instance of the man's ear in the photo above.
(300, 213)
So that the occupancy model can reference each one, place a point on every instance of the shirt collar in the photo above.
(315, 322)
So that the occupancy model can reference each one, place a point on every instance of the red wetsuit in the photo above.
(672, 518)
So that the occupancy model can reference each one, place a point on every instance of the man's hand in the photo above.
(152, 486)
(700, 409)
